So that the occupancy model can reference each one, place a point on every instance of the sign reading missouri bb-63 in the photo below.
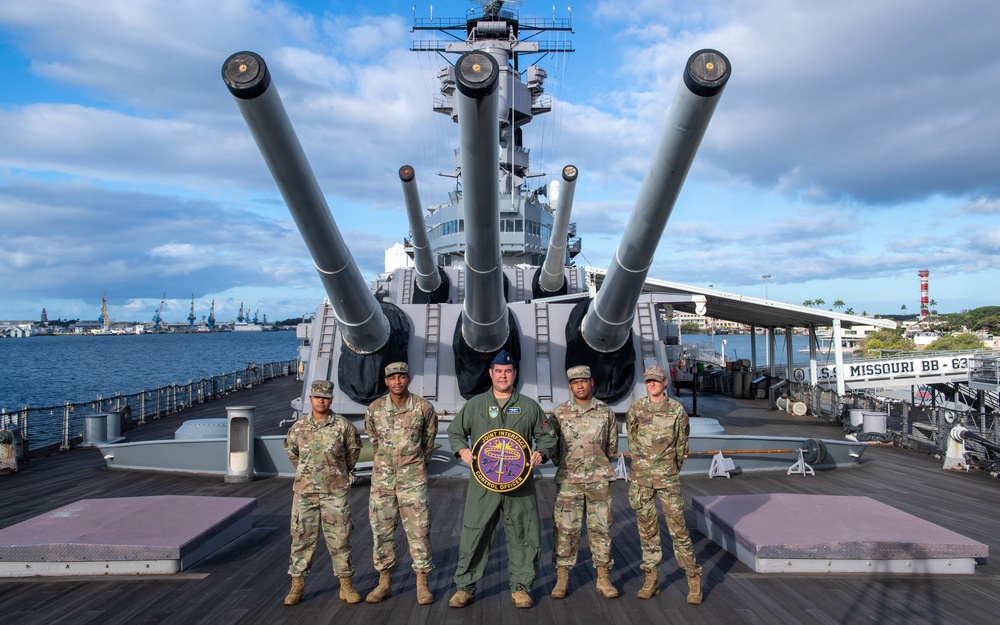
(913, 368)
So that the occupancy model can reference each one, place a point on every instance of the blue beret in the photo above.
(503, 358)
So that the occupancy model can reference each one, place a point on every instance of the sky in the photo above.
(855, 144)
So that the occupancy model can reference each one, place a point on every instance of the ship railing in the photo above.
(916, 425)
(984, 372)
(546, 23)
(53, 428)
(438, 23)
(442, 45)
(891, 354)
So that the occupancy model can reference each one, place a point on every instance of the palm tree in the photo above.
(839, 303)
(819, 302)
(903, 308)
(849, 311)
(808, 302)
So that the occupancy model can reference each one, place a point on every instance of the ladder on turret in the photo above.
(647, 339)
(543, 373)
(407, 286)
(432, 336)
(321, 359)
(328, 333)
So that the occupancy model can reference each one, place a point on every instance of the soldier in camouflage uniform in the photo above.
(658, 431)
(588, 442)
(401, 427)
(323, 447)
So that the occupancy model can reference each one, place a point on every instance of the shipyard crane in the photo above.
(211, 317)
(191, 317)
(157, 318)
(105, 322)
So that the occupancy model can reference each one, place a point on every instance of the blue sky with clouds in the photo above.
(855, 143)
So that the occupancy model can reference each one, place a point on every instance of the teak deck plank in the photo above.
(246, 581)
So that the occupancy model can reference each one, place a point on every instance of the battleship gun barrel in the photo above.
(485, 325)
(428, 277)
(361, 320)
(551, 278)
(608, 321)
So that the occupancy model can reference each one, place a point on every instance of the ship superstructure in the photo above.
(525, 215)
(492, 268)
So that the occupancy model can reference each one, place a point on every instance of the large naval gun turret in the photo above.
(493, 269)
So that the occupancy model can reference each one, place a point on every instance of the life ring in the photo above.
(815, 451)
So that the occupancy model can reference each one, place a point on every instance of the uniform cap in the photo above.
(503, 358)
(578, 372)
(655, 372)
(321, 388)
(397, 367)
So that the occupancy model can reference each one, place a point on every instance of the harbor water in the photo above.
(48, 371)
(43, 374)
(737, 347)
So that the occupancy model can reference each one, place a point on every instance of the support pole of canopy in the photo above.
(838, 338)
(790, 350)
(813, 369)
(770, 351)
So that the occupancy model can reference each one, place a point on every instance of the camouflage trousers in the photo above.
(573, 501)
(333, 513)
(8, 458)
(642, 499)
(386, 506)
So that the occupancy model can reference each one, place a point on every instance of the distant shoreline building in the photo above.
(706, 324)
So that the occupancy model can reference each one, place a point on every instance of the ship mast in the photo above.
(499, 31)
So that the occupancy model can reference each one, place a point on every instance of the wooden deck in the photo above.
(246, 581)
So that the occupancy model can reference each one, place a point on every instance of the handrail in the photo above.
(61, 425)
(922, 427)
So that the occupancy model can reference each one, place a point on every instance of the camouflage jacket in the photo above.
(402, 439)
(657, 440)
(323, 453)
(588, 441)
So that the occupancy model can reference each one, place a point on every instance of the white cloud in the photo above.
(855, 141)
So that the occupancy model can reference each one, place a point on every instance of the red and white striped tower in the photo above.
(924, 298)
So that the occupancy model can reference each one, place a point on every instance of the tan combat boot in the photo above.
(651, 588)
(297, 592)
(562, 583)
(694, 588)
(424, 595)
(604, 587)
(521, 599)
(382, 591)
(347, 592)
(461, 599)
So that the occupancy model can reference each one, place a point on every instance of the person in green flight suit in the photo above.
(501, 407)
